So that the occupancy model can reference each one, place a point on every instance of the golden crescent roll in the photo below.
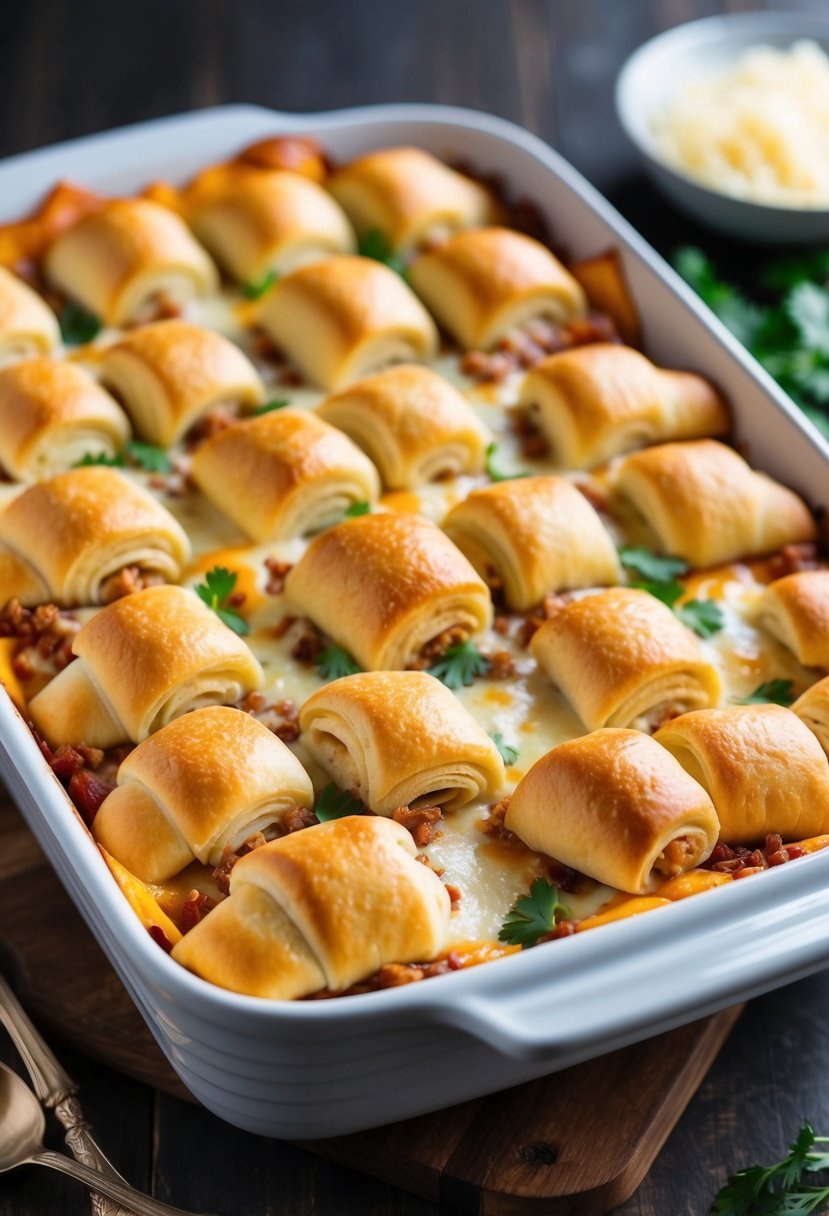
(383, 586)
(597, 401)
(484, 283)
(764, 769)
(27, 324)
(414, 425)
(262, 220)
(52, 414)
(118, 260)
(534, 534)
(621, 658)
(79, 529)
(409, 196)
(400, 738)
(208, 781)
(143, 661)
(346, 317)
(796, 610)
(283, 474)
(352, 895)
(812, 707)
(616, 806)
(169, 374)
(706, 505)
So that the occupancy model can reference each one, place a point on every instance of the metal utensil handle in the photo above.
(115, 1189)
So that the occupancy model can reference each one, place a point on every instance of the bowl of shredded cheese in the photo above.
(731, 117)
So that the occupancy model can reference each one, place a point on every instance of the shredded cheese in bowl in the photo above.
(759, 130)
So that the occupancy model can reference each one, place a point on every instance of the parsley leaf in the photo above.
(267, 407)
(496, 474)
(668, 593)
(788, 272)
(651, 566)
(334, 662)
(777, 1190)
(254, 289)
(358, 508)
(509, 754)
(375, 245)
(460, 664)
(703, 616)
(334, 803)
(807, 305)
(215, 591)
(532, 916)
(77, 325)
(776, 692)
(99, 458)
(740, 315)
(148, 456)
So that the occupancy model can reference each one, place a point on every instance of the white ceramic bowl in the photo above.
(653, 75)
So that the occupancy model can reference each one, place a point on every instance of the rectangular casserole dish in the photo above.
(313, 1069)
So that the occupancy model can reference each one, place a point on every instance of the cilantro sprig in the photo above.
(358, 508)
(459, 665)
(334, 803)
(651, 567)
(509, 754)
(533, 916)
(254, 289)
(141, 455)
(778, 1190)
(77, 325)
(91, 459)
(215, 591)
(659, 578)
(334, 662)
(375, 245)
(267, 407)
(775, 692)
(496, 474)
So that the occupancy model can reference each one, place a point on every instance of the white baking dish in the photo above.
(301, 1070)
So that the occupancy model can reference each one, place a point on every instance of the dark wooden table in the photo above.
(67, 69)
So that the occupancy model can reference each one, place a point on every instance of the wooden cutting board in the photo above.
(574, 1144)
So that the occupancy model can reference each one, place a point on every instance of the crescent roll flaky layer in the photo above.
(796, 610)
(597, 401)
(706, 505)
(261, 220)
(400, 738)
(616, 806)
(27, 324)
(78, 529)
(143, 661)
(414, 425)
(324, 907)
(621, 658)
(812, 707)
(382, 586)
(409, 195)
(52, 414)
(764, 769)
(169, 374)
(534, 534)
(208, 781)
(346, 317)
(484, 283)
(118, 260)
(284, 474)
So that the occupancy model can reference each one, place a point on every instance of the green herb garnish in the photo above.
(99, 458)
(651, 567)
(375, 245)
(334, 803)
(77, 325)
(775, 692)
(777, 1190)
(533, 916)
(497, 474)
(509, 754)
(358, 508)
(268, 407)
(148, 456)
(215, 591)
(704, 617)
(254, 289)
(460, 664)
(334, 662)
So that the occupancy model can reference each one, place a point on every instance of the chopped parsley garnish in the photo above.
(660, 574)
(358, 508)
(533, 916)
(651, 567)
(268, 407)
(460, 664)
(778, 1190)
(333, 663)
(704, 617)
(99, 458)
(509, 754)
(775, 692)
(77, 325)
(496, 474)
(148, 456)
(375, 245)
(215, 591)
(254, 289)
(334, 803)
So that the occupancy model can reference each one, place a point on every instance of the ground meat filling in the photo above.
(739, 861)
(523, 349)
(44, 635)
(127, 580)
(421, 822)
(295, 819)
